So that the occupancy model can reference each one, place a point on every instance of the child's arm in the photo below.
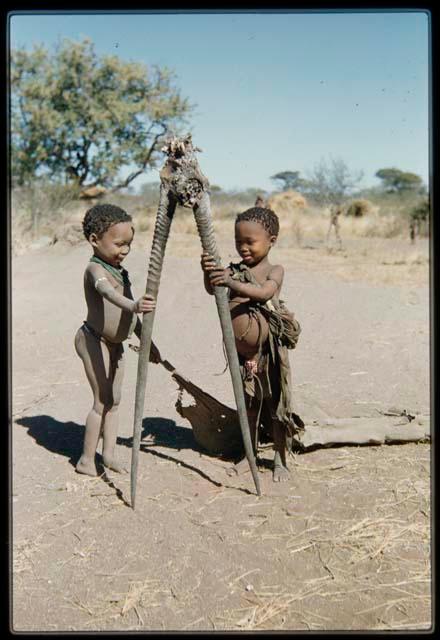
(102, 285)
(262, 293)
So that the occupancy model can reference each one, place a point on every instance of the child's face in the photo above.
(114, 245)
(252, 241)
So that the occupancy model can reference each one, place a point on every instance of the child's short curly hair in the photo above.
(266, 217)
(101, 217)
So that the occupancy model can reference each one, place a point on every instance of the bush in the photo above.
(359, 208)
(42, 205)
(287, 201)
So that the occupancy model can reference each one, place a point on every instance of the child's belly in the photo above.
(249, 331)
(114, 324)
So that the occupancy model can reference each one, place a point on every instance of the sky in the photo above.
(276, 91)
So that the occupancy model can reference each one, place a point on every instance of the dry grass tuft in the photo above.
(146, 593)
(23, 553)
(286, 201)
(141, 596)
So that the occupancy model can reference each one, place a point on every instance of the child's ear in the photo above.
(273, 240)
(93, 239)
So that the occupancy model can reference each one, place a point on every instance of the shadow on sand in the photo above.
(66, 438)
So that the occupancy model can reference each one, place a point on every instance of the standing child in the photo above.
(335, 213)
(111, 318)
(264, 329)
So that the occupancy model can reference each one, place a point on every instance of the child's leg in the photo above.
(89, 350)
(280, 469)
(338, 235)
(329, 232)
(111, 415)
(96, 359)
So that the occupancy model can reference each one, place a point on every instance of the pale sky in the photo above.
(276, 91)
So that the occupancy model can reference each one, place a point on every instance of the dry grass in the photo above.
(370, 537)
(373, 568)
(142, 593)
(24, 552)
(299, 221)
(364, 541)
(301, 225)
(377, 566)
(286, 202)
(141, 596)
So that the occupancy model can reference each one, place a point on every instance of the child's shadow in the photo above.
(66, 438)
(63, 438)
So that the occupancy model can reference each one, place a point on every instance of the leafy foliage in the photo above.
(421, 210)
(79, 117)
(396, 181)
(288, 180)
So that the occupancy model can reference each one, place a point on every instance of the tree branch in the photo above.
(145, 161)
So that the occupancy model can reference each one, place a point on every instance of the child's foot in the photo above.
(280, 470)
(280, 473)
(114, 465)
(86, 466)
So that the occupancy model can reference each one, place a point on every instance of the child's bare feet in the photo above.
(280, 471)
(86, 466)
(114, 465)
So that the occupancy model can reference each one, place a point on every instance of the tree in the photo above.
(288, 180)
(331, 182)
(77, 117)
(396, 181)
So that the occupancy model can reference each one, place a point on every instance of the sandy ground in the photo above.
(343, 545)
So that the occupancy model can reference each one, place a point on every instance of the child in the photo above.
(264, 329)
(111, 318)
(335, 211)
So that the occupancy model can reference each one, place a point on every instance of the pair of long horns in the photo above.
(183, 183)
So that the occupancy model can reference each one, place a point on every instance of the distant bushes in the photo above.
(287, 200)
(359, 208)
(42, 205)
(55, 210)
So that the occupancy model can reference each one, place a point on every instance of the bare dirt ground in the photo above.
(343, 545)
